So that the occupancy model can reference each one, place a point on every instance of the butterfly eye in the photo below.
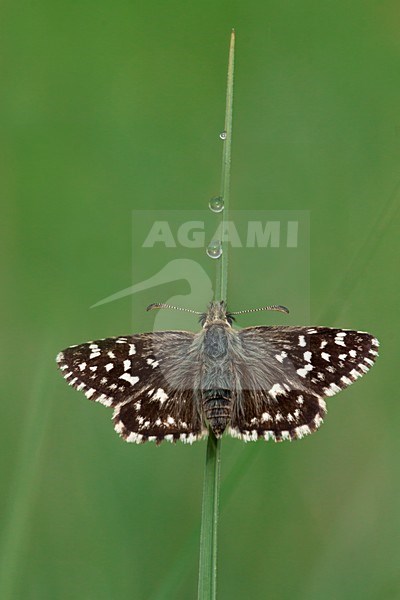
(202, 318)
(230, 318)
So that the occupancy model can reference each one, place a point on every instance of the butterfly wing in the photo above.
(287, 371)
(147, 378)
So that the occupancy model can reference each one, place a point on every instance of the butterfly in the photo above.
(256, 382)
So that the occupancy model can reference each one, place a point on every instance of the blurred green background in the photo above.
(110, 107)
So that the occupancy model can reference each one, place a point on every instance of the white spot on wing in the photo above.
(303, 372)
(109, 366)
(302, 340)
(265, 417)
(134, 437)
(302, 431)
(328, 392)
(160, 395)
(103, 399)
(152, 362)
(318, 420)
(281, 356)
(127, 365)
(119, 427)
(132, 379)
(276, 389)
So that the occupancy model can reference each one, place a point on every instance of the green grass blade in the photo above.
(207, 589)
(209, 521)
(222, 264)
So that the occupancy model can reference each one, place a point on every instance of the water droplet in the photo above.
(214, 249)
(223, 135)
(216, 204)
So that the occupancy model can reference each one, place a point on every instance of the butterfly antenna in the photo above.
(276, 307)
(162, 305)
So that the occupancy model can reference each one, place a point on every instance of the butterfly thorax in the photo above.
(216, 341)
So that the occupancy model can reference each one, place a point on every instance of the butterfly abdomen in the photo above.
(217, 407)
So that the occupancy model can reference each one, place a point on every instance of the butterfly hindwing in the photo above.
(159, 418)
(287, 416)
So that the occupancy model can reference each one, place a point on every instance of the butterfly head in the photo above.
(216, 313)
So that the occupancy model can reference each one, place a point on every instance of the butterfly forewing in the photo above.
(320, 359)
(144, 377)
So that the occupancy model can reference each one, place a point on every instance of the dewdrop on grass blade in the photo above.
(214, 249)
(216, 204)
